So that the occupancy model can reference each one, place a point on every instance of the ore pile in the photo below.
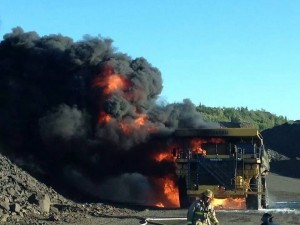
(25, 200)
(275, 156)
(284, 139)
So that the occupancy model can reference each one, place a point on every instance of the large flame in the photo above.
(112, 83)
(168, 184)
(109, 83)
(170, 191)
(229, 203)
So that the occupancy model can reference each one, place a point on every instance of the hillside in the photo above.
(260, 119)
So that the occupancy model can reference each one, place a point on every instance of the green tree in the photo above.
(260, 119)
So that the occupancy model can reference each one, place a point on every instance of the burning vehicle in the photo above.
(232, 162)
(87, 115)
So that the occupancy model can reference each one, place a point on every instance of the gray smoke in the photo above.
(65, 122)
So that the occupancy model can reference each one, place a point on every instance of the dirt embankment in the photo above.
(25, 200)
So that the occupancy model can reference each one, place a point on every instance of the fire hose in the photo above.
(154, 220)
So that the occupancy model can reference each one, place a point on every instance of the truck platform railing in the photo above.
(224, 179)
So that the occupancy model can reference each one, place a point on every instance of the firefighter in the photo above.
(201, 212)
(267, 219)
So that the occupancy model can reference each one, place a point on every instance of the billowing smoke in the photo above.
(64, 122)
(89, 113)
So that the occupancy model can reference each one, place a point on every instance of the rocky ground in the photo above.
(25, 200)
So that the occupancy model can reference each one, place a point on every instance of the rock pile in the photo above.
(25, 200)
(275, 156)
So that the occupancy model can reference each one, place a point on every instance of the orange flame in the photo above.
(197, 142)
(171, 191)
(216, 140)
(141, 122)
(125, 127)
(115, 82)
(163, 156)
(229, 203)
(160, 205)
(103, 118)
(110, 83)
(196, 146)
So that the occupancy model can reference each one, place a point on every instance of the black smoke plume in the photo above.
(55, 105)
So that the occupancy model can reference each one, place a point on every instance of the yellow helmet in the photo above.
(208, 193)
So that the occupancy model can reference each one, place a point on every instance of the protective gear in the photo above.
(208, 193)
(201, 212)
(267, 219)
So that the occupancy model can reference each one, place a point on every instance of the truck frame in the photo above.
(232, 162)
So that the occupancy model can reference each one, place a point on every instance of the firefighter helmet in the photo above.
(266, 217)
(208, 193)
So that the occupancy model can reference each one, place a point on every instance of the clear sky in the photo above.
(231, 53)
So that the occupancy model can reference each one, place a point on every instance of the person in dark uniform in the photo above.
(267, 219)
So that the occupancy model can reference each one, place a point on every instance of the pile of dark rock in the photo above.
(283, 148)
(276, 156)
(25, 200)
(283, 139)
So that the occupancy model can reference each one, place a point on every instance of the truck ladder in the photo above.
(223, 178)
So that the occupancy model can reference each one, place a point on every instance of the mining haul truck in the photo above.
(232, 162)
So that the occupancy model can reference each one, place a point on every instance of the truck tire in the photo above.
(265, 197)
(183, 197)
(254, 201)
(265, 200)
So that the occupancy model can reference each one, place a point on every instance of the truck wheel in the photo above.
(265, 198)
(253, 201)
(183, 197)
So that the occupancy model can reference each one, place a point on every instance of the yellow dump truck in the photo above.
(232, 162)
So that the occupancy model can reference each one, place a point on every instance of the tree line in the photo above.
(260, 119)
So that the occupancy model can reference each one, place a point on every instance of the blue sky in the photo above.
(231, 53)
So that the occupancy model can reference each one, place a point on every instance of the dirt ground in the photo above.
(233, 217)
